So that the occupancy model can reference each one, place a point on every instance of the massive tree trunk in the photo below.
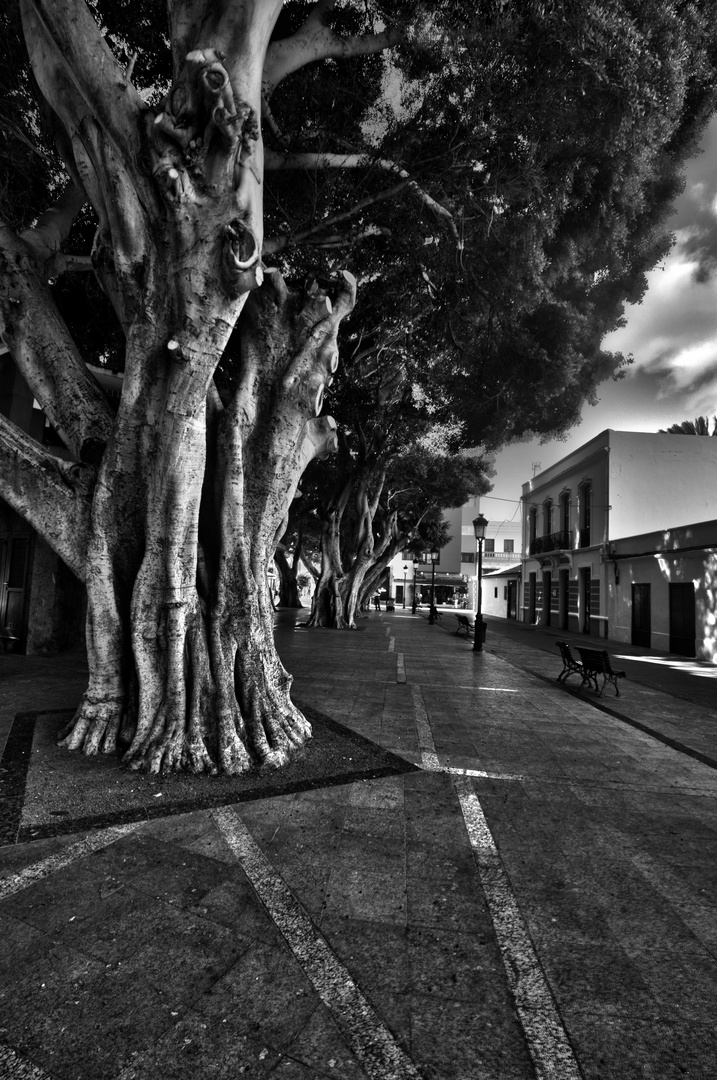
(172, 513)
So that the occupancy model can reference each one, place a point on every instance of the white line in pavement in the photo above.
(92, 842)
(400, 668)
(453, 770)
(429, 757)
(391, 644)
(15, 1067)
(546, 1037)
(373, 1044)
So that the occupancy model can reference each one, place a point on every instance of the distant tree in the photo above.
(699, 426)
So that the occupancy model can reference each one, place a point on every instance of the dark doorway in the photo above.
(512, 599)
(532, 598)
(547, 596)
(682, 618)
(585, 599)
(641, 615)
(563, 601)
(14, 562)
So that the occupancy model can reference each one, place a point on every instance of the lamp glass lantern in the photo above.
(480, 524)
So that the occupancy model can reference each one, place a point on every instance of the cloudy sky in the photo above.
(672, 336)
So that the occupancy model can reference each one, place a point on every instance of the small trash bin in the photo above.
(482, 627)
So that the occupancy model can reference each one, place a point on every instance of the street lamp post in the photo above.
(405, 568)
(414, 601)
(479, 526)
(433, 556)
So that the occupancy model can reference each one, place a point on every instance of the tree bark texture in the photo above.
(176, 511)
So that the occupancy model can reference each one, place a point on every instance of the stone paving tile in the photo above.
(368, 852)
(367, 894)
(615, 1048)
(69, 1014)
(602, 976)
(451, 1039)
(267, 993)
(319, 1050)
(457, 965)
(195, 1048)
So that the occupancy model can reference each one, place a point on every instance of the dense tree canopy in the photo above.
(196, 199)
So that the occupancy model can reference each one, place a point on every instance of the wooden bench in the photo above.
(595, 662)
(465, 626)
(571, 666)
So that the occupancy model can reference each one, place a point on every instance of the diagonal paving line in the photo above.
(545, 1035)
(371, 1041)
(429, 757)
(400, 668)
(94, 841)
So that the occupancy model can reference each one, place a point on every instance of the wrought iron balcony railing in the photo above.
(557, 541)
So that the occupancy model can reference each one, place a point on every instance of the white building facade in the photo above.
(609, 545)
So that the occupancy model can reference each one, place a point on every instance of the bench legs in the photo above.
(591, 677)
(611, 679)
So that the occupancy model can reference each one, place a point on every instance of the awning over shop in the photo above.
(424, 578)
(507, 571)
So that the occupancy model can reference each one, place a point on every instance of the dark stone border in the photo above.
(16, 760)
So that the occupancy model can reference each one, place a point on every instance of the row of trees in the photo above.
(195, 198)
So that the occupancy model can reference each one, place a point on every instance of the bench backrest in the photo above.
(565, 652)
(595, 659)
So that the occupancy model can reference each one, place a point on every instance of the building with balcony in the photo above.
(610, 547)
(457, 569)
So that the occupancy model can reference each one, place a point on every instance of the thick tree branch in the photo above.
(96, 116)
(314, 41)
(53, 227)
(35, 333)
(67, 30)
(52, 495)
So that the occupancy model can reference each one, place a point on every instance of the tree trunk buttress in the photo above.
(183, 669)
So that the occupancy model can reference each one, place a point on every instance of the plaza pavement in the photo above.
(538, 897)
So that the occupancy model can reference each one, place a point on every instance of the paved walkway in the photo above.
(537, 898)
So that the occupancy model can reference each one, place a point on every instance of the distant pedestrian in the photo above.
(377, 602)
